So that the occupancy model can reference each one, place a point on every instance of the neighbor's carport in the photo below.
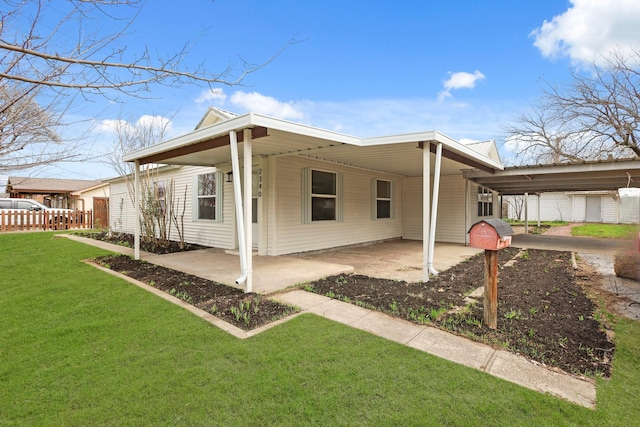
(605, 175)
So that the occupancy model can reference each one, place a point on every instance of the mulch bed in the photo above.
(543, 310)
(155, 246)
(244, 310)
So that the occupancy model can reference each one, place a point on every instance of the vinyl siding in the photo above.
(203, 232)
(450, 226)
(357, 225)
(610, 210)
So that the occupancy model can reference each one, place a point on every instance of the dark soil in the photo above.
(246, 311)
(543, 310)
(155, 246)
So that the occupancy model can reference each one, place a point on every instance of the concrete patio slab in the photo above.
(393, 259)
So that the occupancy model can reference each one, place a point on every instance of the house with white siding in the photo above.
(254, 183)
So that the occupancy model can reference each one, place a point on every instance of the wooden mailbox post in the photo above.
(491, 235)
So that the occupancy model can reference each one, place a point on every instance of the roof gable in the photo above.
(214, 115)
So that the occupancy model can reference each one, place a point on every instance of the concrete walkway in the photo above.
(499, 363)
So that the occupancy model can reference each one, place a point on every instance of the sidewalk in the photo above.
(499, 363)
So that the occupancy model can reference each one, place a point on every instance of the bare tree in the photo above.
(156, 194)
(595, 116)
(51, 58)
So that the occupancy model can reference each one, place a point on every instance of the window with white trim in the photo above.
(382, 192)
(485, 202)
(321, 196)
(208, 197)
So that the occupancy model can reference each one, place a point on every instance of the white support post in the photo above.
(136, 202)
(248, 210)
(434, 209)
(526, 213)
(538, 210)
(237, 197)
(426, 191)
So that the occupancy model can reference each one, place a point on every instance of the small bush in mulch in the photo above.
(155, 246)
(246, 311)
(543, 310)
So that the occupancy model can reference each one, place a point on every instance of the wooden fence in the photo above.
(23, 220)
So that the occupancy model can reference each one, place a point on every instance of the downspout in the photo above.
(248, 212)
(434, 209)
(237, 197)
(136, 203)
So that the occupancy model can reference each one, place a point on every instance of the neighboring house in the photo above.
(571, 206)
(313, 189)
(52, 192)
(96, 199)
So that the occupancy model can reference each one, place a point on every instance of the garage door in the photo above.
(594, 209)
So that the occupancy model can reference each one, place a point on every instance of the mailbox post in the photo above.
(490, 235)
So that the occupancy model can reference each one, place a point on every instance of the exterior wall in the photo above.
(451, 221)
(204, 232)
(282, 230)
(357, 225)
(578, 208)
(85, 200)
(610, 210)
(563, 207)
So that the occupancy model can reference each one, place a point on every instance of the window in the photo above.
(382, 192)
(485, 202)
(160, 194)
(321, 196)
(207, 197)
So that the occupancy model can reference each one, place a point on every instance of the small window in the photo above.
(207, 197)
(383, 199)
(485, 202)
(321, 196)
(160, 194)
(324, 196)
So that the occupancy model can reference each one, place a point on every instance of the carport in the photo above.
(604, 175)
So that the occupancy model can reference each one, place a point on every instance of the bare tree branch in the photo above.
(596, 116)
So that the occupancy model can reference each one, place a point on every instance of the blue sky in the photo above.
(365, 68)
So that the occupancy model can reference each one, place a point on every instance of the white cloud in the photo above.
(215, 96)
(459, 80)
(589, 29)
(258, 103)
(111, 126)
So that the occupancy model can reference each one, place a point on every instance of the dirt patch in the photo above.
(153, 246)
(544, 312)
(246, 311)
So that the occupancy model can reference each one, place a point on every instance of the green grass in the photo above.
(79, 347)
(609, 231)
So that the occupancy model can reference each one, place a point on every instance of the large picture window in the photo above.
(485, 202)
(321, 196)
(207, 197)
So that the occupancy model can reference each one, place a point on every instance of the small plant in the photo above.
(394, 307)
(331, 294)
(524, 255)
(581, 318)
(152, 283)
(531, 332)
(341, 280)
(513, 314)
(533, 311)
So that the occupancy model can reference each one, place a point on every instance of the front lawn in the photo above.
(79, 347)
(608, 231)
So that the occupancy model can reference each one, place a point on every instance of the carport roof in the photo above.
(579, 176)
(398, 154)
